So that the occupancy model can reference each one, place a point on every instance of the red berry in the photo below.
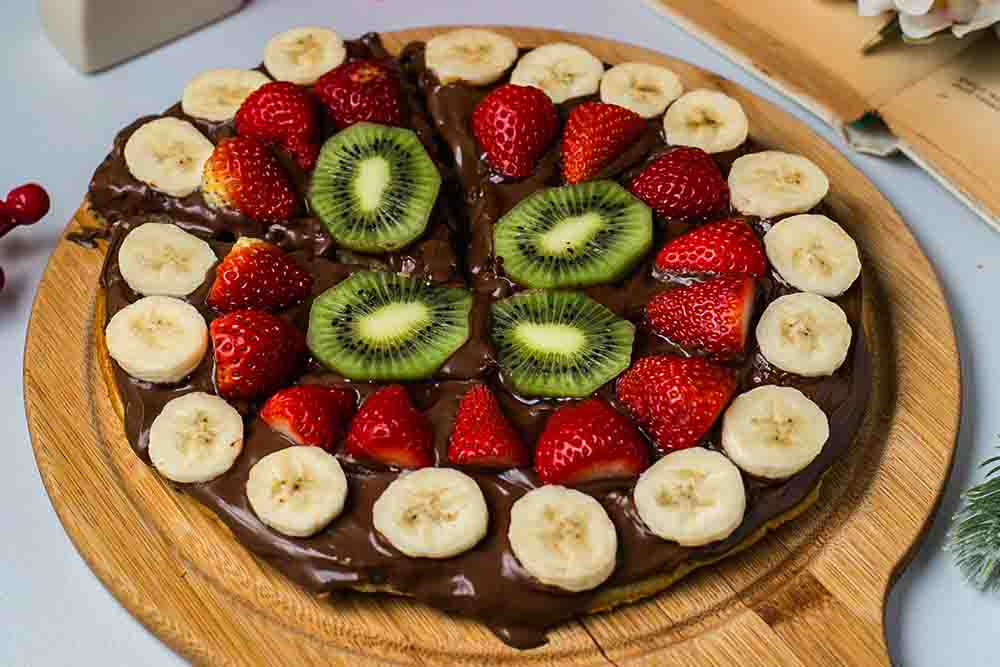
(724, 247)
(596, 134)
(310, 414)
(589, 441)
(255, 352)
(256, 274)
(361, 90)
(243, 174)
(390, 430)
(482, 436)
(676, 400)
(685, 184)
(28, 203)
(282, 113)
(711, 317)
(515, 125)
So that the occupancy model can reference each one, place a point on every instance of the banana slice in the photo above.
(195, 438)
(158, 259)
(470, 56)
(298, 490)
(643, 88)
(563, 538)
(805, 334)
(168, 154)
(562, 70)
(773, 183)
(217, 94)
(157, 339)
(303, 55)
(432, 513)
(814, 254)
(691, 496)
(774, 432)
(706, 119)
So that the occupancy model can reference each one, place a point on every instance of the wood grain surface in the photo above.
(811, 592)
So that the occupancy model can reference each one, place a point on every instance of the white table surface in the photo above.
(56, 125)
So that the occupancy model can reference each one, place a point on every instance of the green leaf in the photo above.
(974, 538)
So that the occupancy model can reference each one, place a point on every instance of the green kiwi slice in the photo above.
(374, 187)
(556, 343)
(384, 326)
(585, 234)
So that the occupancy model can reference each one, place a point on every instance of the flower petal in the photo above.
(875, 7)
(918, 7)
(919, 27)
(986, 16)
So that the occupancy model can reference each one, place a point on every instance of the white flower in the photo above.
(919, 19)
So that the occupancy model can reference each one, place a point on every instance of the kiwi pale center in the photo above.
(551, 338)
(374, 176)
(393, 320)
(570, 235)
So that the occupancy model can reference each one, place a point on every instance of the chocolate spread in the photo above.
(486, 582)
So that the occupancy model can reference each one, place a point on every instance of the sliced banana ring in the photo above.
(563, 538)
(643, 88)
(217, 94)
(772, 183)
(814, 254)
(562, 70)
(470, 55)
(774, 432)
(169, 155)
(303, 55)
(706, 119)
(298, 490)
(158, 259)
(195, 438)
(157, 339)
(432, 513)
(805, 334)
(691, 496)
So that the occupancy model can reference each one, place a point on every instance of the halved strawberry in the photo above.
(711, 317)
(283, 113)
(676, 400)
(684, 184)
(595, 134)
(254, 351)
(723, 247)
(310, 414)
(243, 174)
(589, 441)
(482, 436)
(361, 90)
(389, 429)
(515, 125)
(257, 274)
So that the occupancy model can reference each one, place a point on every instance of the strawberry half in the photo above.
(676, 400)
(310, 414)
(361, 90)
(482, 436)
(282, 113)
(389, 429)
(589, 441)
(723, 247)
(515, 125)
(684, 184)
(596, 134)
(711, 317)
(257, 274)
(254, 351)
(243, 174)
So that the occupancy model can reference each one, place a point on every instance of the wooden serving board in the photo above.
(812, 592)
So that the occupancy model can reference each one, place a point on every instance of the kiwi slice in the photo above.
(383, 326)
(554, 343)
(574, 236)
(374, 187)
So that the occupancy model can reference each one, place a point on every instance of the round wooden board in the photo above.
(812, 592)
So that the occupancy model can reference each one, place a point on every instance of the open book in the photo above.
(940, 102)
